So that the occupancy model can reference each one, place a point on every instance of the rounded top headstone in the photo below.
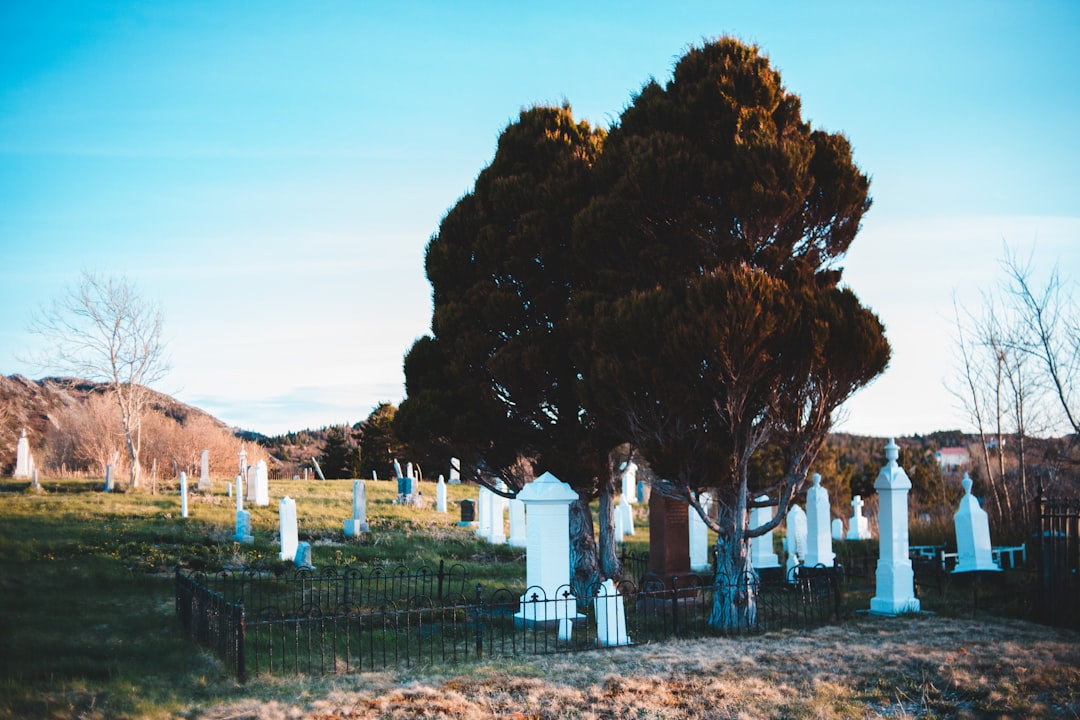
(966, 482)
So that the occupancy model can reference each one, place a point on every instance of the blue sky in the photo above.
(270, 172)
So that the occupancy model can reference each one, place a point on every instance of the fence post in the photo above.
(675, 605)
(241, 633)
(479, 623)
(441, 562)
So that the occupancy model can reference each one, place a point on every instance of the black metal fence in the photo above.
(1058, 590)
(324, 623)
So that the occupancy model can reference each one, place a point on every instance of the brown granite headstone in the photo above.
(669, 537)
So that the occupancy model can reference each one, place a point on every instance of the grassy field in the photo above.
(88, 630)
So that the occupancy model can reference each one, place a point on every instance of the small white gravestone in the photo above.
(761, 547)
(318, 470)
(858, 526)
(518, 533)
(440, 495)
(262, 484)
(973, 549)
(796, 537)
(483, 513)
(228, 490)
(358, 524)
(547, 556)
(397, 469)
(497, 513)
(699, 536)
(287, 521)
(455, 471)
(183, 495)
(895, 576)
(243, 527)
(34, 484)
(627, 511)
(204, 470)
(818, 540)
(108, 477)
(629, 481)
(618, 516)
(24, 461)
(374, 474)
(610, 617)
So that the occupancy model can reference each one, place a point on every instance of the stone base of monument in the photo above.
(355, 528)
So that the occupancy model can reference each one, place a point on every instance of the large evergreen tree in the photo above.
(718, 323)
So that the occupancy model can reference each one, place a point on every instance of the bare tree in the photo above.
(104, 330)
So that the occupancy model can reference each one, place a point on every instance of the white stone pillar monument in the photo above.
(895, 576)
(358, 524)
(440, 495)
(699, 536)
(761, 547)
(204, 470)
(547, 556)
(626, 511)
(24, 461)
(483, 512)
(287, 524)
(818, 538)
(518, 533)
(973, 549)
(629, 482)
(183, 495)
(239, 493)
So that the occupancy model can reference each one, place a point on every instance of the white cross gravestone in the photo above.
(629, 481)
(287, 524)
(973, 549)
(858, 526)
(204, 470)
(610, 617)
(183, 495)
(818, 540)
(24, 461)
(518, 533)
(358, 524)
(262, 484)
(440, 495)
(796, 538)
(895, 576)
(699, 536)
(547, 556)
(761, 547)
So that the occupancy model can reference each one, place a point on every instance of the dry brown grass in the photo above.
(921, 666)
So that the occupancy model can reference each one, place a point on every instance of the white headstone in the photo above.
(818, 540)
(358, 524)
(518, 533)
(34, 481)
(797, 531)
(858, 526)
(547, 556)
(239, 493)
(262, 484)
(483, 513)
(108, 477)
(762, 554)
(699, 536)
(837, 529)
(629, 482)
(243, 527)
(24, 461)
(497, 512)
(440, 495)
(455, 471)
(287, 523)
(302, 559)
(610, 617)
(397, 469)
(204, 470)
(618, 525)
(627, 511)
(895, 576)
(973, 549)
(183, 495)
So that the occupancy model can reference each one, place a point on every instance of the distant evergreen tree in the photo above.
(379, 443)
(338, 458)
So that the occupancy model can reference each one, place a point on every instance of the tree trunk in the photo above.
(735, 596)
(609, 545)
(584, 565)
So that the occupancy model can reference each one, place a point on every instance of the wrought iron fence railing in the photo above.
(261, 632)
